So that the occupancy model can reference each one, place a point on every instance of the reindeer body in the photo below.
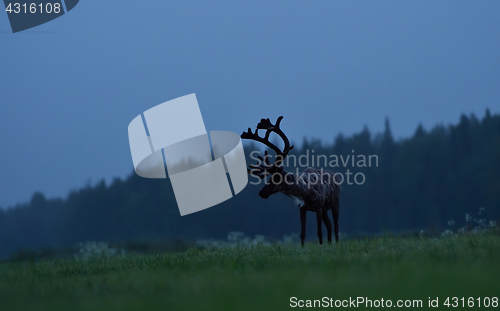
(312, 190)
(306, 187)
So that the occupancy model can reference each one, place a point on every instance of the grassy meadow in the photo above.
(262, 277)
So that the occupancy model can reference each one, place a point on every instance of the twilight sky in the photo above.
(69, 88)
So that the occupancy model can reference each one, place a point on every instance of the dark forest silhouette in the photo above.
(420, 183)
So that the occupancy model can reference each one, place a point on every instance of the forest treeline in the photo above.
(418, 183)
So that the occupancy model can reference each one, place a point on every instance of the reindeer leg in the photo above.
(328, 225)
(319, 222)
(335, 213)
(302, 225)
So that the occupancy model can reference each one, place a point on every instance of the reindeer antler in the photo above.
(265, 140)
(265, 124)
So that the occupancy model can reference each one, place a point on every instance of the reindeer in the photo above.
(312, 190)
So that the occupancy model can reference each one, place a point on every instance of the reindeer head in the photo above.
(265, 168)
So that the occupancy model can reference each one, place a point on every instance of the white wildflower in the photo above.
(92, 249)
(235, 236)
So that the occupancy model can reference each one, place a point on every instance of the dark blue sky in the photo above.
(69, 88)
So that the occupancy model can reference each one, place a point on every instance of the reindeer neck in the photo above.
(294, 187)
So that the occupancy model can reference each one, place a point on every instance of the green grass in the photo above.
(263, 277)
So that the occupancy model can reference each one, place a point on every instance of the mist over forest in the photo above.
(419, 183)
